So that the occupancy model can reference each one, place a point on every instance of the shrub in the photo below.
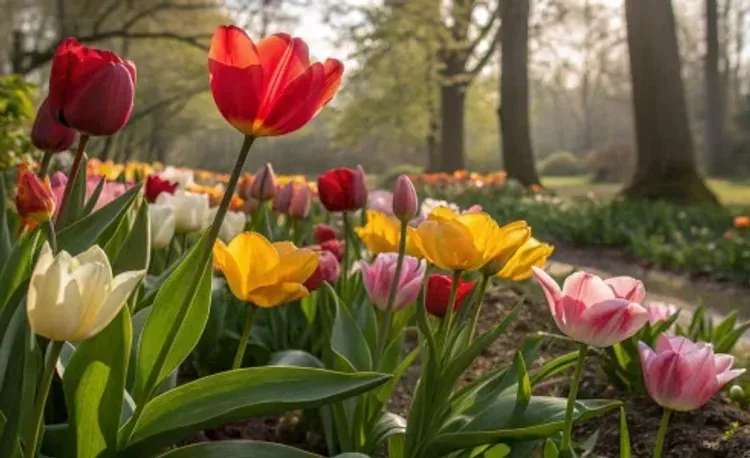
(611, 163)
(562, 164)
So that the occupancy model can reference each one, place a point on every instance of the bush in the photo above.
(611, 163)
(389, 177)
(561, 164)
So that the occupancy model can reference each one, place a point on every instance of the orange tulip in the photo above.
(742, 222)
(269, 89)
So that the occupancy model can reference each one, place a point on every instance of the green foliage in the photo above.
(16, 113)
(561, 164)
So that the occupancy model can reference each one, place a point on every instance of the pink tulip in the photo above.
(110, 191)
(682, 375)
(594, 311)
(660, 311)
(379, 277)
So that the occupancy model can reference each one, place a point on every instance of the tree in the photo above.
(666, 167)
(513, 112)
(715, 150)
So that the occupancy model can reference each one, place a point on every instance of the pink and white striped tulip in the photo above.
(682, 375)
(594, 311)
(379, 277)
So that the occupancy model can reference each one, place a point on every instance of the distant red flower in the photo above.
(438, 293)
(269, 89)
(34, 199)
(155, 185)
(49, 135)
(328, 270)
(343, 190)
(337, 247)
(324, 233)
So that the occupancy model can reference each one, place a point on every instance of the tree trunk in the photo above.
(513, 113)
(666, 155)
(452, 107)
(715, 148)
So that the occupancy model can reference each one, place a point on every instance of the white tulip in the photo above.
(183, 177)
(162, 223)
(190, 209)
(233, 224)
(74, 297)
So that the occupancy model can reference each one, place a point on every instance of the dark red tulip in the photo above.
(49, 135)
(438, 293)
(324, 233)
(343, 190)
(91, 90)
(328, 270)
(155, 185)
(336, 247)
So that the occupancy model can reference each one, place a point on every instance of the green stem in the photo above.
(448, 319)
(185, 245)
(478, 306)
(53, 352)
(240, 355)
(662, 434)
(49, 228)
(385, 328)
(44, 166)
(568, 428)
(168, 255)
(345, 261)
(72, 176)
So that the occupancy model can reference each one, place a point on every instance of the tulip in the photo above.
(323, 233)
(378, 279)
(382, 234)
(299, 207)
(660, 311)
(251, 206)
(111, 190)
(328, 270)
(190, 210)
(531, 254)
(381, 201)
(231, 227)
(35, 200)
(183, 177)
(48, 134)
(156, 185)
(264, 183)
(271, 89)
(74, 298)
(162, 224)
(589, 310)
(90, 90)
(438, 294)
(283, 199)
(343, 190)
(405, 202)
(682, 375)
(335, 247)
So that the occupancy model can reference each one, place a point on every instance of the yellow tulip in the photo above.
(382, 233)
(533, 253)
(263, 273)
(470, 241)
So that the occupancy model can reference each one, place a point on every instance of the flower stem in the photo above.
(662, 434)
(445, 326)
(72, 176)
(345, 261)
(478, 306)
(385, 328)
(44, 166)
(240, 355)
(49, 228)
(565, 444)
(53, 352)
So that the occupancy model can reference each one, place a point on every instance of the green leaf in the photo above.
(175, 323)
(238, 449)
(727, 343)
(77, 237)
(347, 340)
(555, 366)
(624, 435)
(523, 394)
(388, 425)
(114, 237)
(550, 449)
(91, 203)
(136, 250)
(5, 229)
(76, 200)
(383, 394)
(239, 395)
(295, 358)
(19, 266)
(94, 383)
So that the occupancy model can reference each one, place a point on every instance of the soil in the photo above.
(719, 430)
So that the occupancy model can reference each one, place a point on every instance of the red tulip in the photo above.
(438, 293)
(324, 233)
(155, 185)
(328, 270)
(269, 89)
(336, 247)
(34, 198)
(91, 90)
(343, 190)
(49, 135)
(299, 206)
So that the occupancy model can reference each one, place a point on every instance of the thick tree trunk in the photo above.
(715, 148)
(513, 114)
(666, 156)
(452, 108)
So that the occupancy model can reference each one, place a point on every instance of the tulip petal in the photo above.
(283, 59)
(122, 287)
(53, 303)
(608, 322)
(587, 288)
(723, 362)
(256, 259)
(297, 266)
(93, 280)
(552, 292)
(284, 248)
(333, 70)
(274, 295)
(628, 288)
(95, 254)
(228, 265)
(296, 105)
(485, 232)
(725, 377)
(442, 214)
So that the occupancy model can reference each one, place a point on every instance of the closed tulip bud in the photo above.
(683, 375)
(323, 233)
(379, 277)
(190, 210)
(72, 298)
(34, 198)
(594, 311)
(328, 271)
(405, 203)
(343, 189)
(299, 207)
(264, 183)
(162, 223)
(91, 90)
(155, 185)
(360, 188)
(49, 135)
(282, 199)
(438, 293)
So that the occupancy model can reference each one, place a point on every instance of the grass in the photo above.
(732, 193)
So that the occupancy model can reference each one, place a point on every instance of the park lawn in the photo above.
(733, 193)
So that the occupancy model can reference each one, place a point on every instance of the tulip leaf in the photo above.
(76, 200)
(625, 451)
(554, 366)
(114, 237)
(347, 340)
(237, 395)
(238, 449)
(94, 383)
(175, 324)
(18, 267)
(295, 358)
(91, 202)
(5, 230)
(550, 449)
(388, 425)
(77, 237)
(136, 250)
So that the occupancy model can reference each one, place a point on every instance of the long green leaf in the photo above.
(94, 383)
(238, 395)
(19, 266)
(624, 435)
(136, 251)
(73, 210)
(295, 358)
(347, 340)
(238, 449)
(91, 202)
(5, 229)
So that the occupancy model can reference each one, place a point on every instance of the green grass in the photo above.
(732, 193)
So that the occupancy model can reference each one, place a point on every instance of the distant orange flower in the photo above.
(536, 188)
(742, 222)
